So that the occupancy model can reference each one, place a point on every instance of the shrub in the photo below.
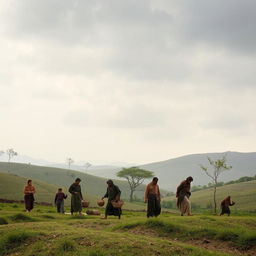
(3, 221)
(20, 217)
(12, 240)
(67, 245)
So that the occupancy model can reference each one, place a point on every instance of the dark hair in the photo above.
(110, 182)
(190, 178)
(78, 179)
(59, 189)
(155, 179)
(29, 181)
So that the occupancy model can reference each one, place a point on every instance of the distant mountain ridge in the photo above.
(172, 171)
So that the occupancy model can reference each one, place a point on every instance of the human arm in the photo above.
(105, 196)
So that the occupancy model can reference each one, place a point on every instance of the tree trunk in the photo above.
(131, 195)
(214, 199)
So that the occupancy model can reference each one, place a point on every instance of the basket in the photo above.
(117, 204)
(100, 203)
(85, 204)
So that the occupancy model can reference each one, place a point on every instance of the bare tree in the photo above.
(1, 152)
(87, 166)
(11, 153)
(69, 162)
(218, 167)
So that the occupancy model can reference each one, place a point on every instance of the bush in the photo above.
(67, 245)
(12, 240)
(20, 217)
(3, 221)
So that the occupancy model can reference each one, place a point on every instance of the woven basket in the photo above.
(100, 203)
(117, 204)
(85, 204)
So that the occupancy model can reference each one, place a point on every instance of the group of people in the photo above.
(113, 193)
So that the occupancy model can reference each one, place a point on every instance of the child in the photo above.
(59, 200)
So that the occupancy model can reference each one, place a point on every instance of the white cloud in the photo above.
(133, 81)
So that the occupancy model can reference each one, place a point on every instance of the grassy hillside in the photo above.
(172, 172)
(242, 193)
(62, 177)
(11, 187)
(43, 232)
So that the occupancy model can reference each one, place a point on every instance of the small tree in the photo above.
(218, 167)
(87, 166)
(69, 162)
(11, 153)
(135, 177)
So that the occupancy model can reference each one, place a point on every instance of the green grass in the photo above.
(45, 232)
(91, 185)
(242, 193)
(44, 192)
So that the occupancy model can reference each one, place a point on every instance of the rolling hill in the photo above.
(242, 193)
(173, 171)
(11, 187)
(91, 185)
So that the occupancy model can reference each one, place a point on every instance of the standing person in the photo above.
(225, 205)
(183, 193)
(76, 197)
(29, 191)
(59, 200)
(153, 198)
(113, 194)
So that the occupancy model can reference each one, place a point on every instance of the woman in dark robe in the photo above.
(225, 205)
(113, 194)
(29, 191)
(76, 197)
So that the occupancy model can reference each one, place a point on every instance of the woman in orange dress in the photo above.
(29, 191)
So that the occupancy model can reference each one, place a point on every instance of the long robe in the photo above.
(112, 193)
(183, 194)
(76, 198)
(29, 199)
(152, 195)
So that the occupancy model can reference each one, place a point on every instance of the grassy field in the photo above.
(242, 193)
(90, 184)
(44, 232)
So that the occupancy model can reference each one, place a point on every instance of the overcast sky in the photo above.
(126, 80)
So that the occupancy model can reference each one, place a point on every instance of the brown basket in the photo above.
(100, 203)
(85, 204)
(117, 204)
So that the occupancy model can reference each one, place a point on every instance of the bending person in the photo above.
(76, 197)
(183, 193)
(153, 198)
(225, 205)
(113, 194)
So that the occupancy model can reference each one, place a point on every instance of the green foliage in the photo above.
(13, 239)
(135, 177)
(20, 217)
(67, 245)
(3, 221)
